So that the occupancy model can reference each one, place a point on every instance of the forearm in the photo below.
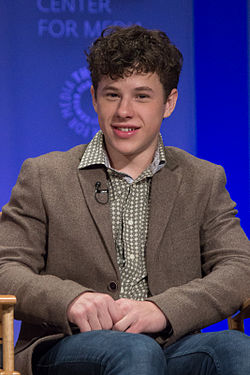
(40, 298)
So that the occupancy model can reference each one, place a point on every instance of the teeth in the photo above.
(126, 129)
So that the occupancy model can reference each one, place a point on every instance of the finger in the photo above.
(134, 328)
(94, 322)
(105, 319)
(123, 324)
(116, 313)
(83, 326)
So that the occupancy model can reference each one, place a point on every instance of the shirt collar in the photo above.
(95, 154)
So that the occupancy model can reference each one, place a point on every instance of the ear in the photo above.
(170, 103)
(93, 94)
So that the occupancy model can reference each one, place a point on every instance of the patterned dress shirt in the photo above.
(129, 202)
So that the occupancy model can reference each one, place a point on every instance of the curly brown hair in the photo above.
(121, 51)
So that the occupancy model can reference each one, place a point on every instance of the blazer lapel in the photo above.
(100, 212)
(164, 190)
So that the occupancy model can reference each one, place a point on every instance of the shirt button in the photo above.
(112, 286)
(130, 222)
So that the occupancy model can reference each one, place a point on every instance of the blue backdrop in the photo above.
(45, 103)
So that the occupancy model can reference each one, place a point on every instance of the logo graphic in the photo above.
(75, 104)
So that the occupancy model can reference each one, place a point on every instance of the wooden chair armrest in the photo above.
(7, 300)
(7, 303)
(237, 321)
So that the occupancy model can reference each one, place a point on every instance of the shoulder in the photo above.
(176, 157)
(71, 156)
(194, 170)
(53, 164)
(56, 159)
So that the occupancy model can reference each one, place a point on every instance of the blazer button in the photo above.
(112, 286)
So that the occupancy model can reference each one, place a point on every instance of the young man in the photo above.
(120, 250)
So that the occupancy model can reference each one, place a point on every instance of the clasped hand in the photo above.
(97, 311)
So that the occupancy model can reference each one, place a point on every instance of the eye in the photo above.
(142, 96)
(112, 95)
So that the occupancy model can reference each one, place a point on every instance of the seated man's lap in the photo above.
(110, 352)
(101, 352)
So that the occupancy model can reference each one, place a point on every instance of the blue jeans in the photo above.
(121, 353)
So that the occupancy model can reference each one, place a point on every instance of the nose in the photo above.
(124, 108)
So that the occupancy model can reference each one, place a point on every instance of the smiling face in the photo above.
(130, 112)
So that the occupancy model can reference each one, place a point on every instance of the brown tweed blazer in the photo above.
(56, 242)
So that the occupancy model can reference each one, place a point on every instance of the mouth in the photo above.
(125, 128)
(125, 131)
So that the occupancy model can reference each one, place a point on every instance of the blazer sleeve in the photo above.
(225, 266)
(23, 250)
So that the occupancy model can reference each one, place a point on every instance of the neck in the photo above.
(131, 165)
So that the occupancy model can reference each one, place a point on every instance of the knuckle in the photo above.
(108, 299)
(91, 308)
(102, 299)
(75, 310)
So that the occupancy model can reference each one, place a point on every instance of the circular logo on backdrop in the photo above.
(76, 105)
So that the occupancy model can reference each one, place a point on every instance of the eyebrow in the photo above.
(141, 88)
(110, 87)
